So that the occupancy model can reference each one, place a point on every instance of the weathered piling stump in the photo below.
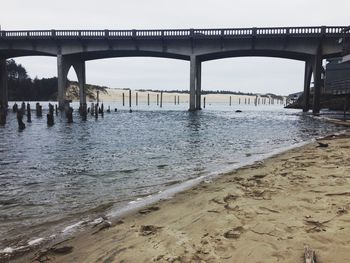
(161, 99)
(115, 110)
(56, 109)
(157, 99)
(21, 124)
(96, 111)
(123, 99)
(92, 109)
(23, 107)
(175, 100)
(15, 107)
(50, 119)
(51, 109)
(69, 115)
(29, 114)
(102, 110)
(148, 99)
(130, 98)
(204, 102)
(84, 112)
(178, 100)
(239, 101)
(49, 116)
(109, 109)
(3, 113)
(38, 110)
(230, 100)
(137, 99)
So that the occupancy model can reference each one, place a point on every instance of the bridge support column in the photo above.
(317, 71)
(193, 73)
(80, 70)
(62, 71)
(3, 83)
(307, 81)
(198, 85)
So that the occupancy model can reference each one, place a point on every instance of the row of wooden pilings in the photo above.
(256, 101)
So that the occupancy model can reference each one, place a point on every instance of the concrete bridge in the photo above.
(73, 47)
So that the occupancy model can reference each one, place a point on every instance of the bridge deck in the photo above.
(336, 31)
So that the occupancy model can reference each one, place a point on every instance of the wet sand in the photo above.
(266, 212)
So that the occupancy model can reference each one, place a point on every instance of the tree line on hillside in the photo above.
(22, 88)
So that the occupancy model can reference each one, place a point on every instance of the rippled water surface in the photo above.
(54, 176)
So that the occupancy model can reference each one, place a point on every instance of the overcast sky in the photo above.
(261, 75)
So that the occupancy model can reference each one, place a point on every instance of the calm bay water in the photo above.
(51, 177)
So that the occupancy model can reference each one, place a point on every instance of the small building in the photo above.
(337, 76)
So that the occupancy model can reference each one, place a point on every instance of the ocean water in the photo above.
(54, 177)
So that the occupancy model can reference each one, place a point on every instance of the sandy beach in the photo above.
(116, 95)
(266, 212)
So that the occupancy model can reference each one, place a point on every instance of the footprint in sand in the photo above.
(149, 210)
(149, 230)
(234, 233)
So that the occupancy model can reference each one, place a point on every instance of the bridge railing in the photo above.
(179, 33)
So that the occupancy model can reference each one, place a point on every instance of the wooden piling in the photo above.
(3, 113)
(130, 98)
(69, 114)
(21, 124)
(137, 99)
(92, 109)
(239, 101)
(249, 101)
(49, 116)
(148, 99)
(178, 100)
(161, 99)
(29, 114)
(157, 99)
(96, 111)
(23, 107)
(123, 99)
(230, 100)
(175, 99)
(204, 102)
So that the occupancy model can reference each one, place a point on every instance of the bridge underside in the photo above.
(197, 47)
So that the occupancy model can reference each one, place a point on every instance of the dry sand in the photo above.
(116, 95)
(266, 212)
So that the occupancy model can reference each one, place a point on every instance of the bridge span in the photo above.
(73, 47)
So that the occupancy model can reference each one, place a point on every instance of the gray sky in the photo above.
(270, 74)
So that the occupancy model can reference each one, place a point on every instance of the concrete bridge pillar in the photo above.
(3, 83)
(80, 70)
(198, 85)
(63, 66)
(195, 84)
(193, 74)
(307, 82)
(317, 72)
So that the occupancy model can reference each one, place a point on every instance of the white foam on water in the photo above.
(7, 250)
(35, 241)
(70, 228)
